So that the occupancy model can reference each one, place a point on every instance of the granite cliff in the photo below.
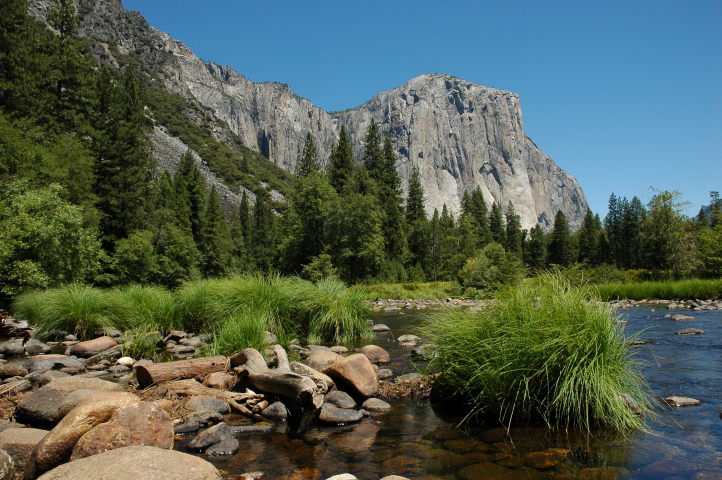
(460, 135)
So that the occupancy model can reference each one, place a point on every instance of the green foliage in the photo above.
(416, 221)
(496, 224)
(43, 240)
(560, 248)
(543, 351)
(308, 163)
(710, 248)
(341, 163)
(245, 329)
(335, 312)
(216, 245)
(409, 291)
(491, 269)
(318, 268)
(134, 259)
(671, 289)
(514, 236)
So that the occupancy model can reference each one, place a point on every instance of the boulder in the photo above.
(203, 402)
(125, 361)
(210, 436)
(12, 370)
(339, 349)
(355, 371)
(13, 348)
(93, 347)
(133, 463)
(42, 407)
(42, 379)
(376, 405)
(375, 354)
(340, 399)
(332, 414)
(20, 444)
(7, 466)
(97, 408)
(320, 359)
(228, 446)
(142, 423)
(35, 347)
(275, 410)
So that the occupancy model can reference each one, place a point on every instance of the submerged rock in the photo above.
(690, 331)
(675, 401)
(340, 399)
(332, 414)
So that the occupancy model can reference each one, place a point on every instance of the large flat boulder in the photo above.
(92, 347)
(142, 423)
(58, 445)
(133, 463)
(41, 408)
(356, 372)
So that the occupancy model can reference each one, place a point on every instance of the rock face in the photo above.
(458, 134)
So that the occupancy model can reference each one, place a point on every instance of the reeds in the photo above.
(701, 289)
(543, 351)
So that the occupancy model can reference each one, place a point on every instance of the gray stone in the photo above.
(13, 348)
(339, 349)
(679, 317)
(7, 466)
(35, 347)
(375, 405)
(384, 373)
(331, 414)
(20, 443)
(413, 339)
(202, 402)
(187, 427)
(125, 361)
(227, 446)
(675, 401)
(133, 463)
(380, 327)
(71, 400)
(275, 410)
(42, 379)
(408, 377)
(210, 436)
(690, 331)
(340, 399)
(191, 341)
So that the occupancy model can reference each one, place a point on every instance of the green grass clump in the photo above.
(670, 290)
(244, 330)
(77, 309)
(335, 312)
(543, 351)
(150, 308)
(409, 291)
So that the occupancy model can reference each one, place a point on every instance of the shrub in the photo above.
(543, 351)
(491, 269)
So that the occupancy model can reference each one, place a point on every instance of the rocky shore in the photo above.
(90, 412)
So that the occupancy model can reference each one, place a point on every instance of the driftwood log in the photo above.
(241, 402)
(166, 371)
(300, 390)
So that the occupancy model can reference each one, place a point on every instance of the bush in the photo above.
(543, 351)
(491, 269)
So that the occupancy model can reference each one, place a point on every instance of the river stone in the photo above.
(191, 341)
(221, 380)
(384, 373)
(20, 444)
(343, 476)
(409, 339)
(339, 349)
(228, 446)
(678, 317)
(42, 379)
(12, 370)
(380, 327)
(186, 427)
(12, 348)
(375, 354)
(546, 459)
(137, 462)
(675, 401)
(97, 408)
(101, 438)
(356, 371)
(340, 399)
(210, 436)
(41, 407)
(316, 348)
(323, 381)
(125, 361)
(376, 405)
(35, 347)
(203, 402)
(394, 477)
(690, 331)
(47, 362)
(320, 359)
(332, 414)
(72, 400)
(275, 410)
(408, 377)
(7, 424)
(93, 347)
(7, 466)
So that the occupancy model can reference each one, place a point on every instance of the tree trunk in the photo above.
(197, 367)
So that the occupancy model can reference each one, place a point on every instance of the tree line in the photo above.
(81, 199)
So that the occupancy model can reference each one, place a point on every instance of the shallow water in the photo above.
(414, 441)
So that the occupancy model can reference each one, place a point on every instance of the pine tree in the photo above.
(535, 251)
(514, 237)
(589, 239)
(496, 224)
(245, 220)
(416, 221)
(191, 195)
(216, 244)
(124, 166)
(447, 243)
(560, 245)
(373, 155)
(481, 215)
(238, 242)
(308, 163)
(264, 238)
(341, 163)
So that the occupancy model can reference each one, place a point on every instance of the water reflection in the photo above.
(412, 440)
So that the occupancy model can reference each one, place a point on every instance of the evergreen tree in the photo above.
(238, 243)
(341, 163)
(416, 221)
(560, 245)
(191, 195)
(373, 155)
(589, 239)
(264, 241)
(613, 227)
(447, 244)
(393, 225)
(124, 165)
(535, 250)
(216, 245)
(514, 237)
(435, 234)
(667, 241)
(244, 217)
(308, 163)
(496, 224)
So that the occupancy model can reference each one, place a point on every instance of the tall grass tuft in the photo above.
(77, 309)
(336, 313)
(669, 290)
(410, 290)
(149, 308)
(543, 351)
(244, 330)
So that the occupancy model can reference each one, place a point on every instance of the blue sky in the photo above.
(624, 95)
